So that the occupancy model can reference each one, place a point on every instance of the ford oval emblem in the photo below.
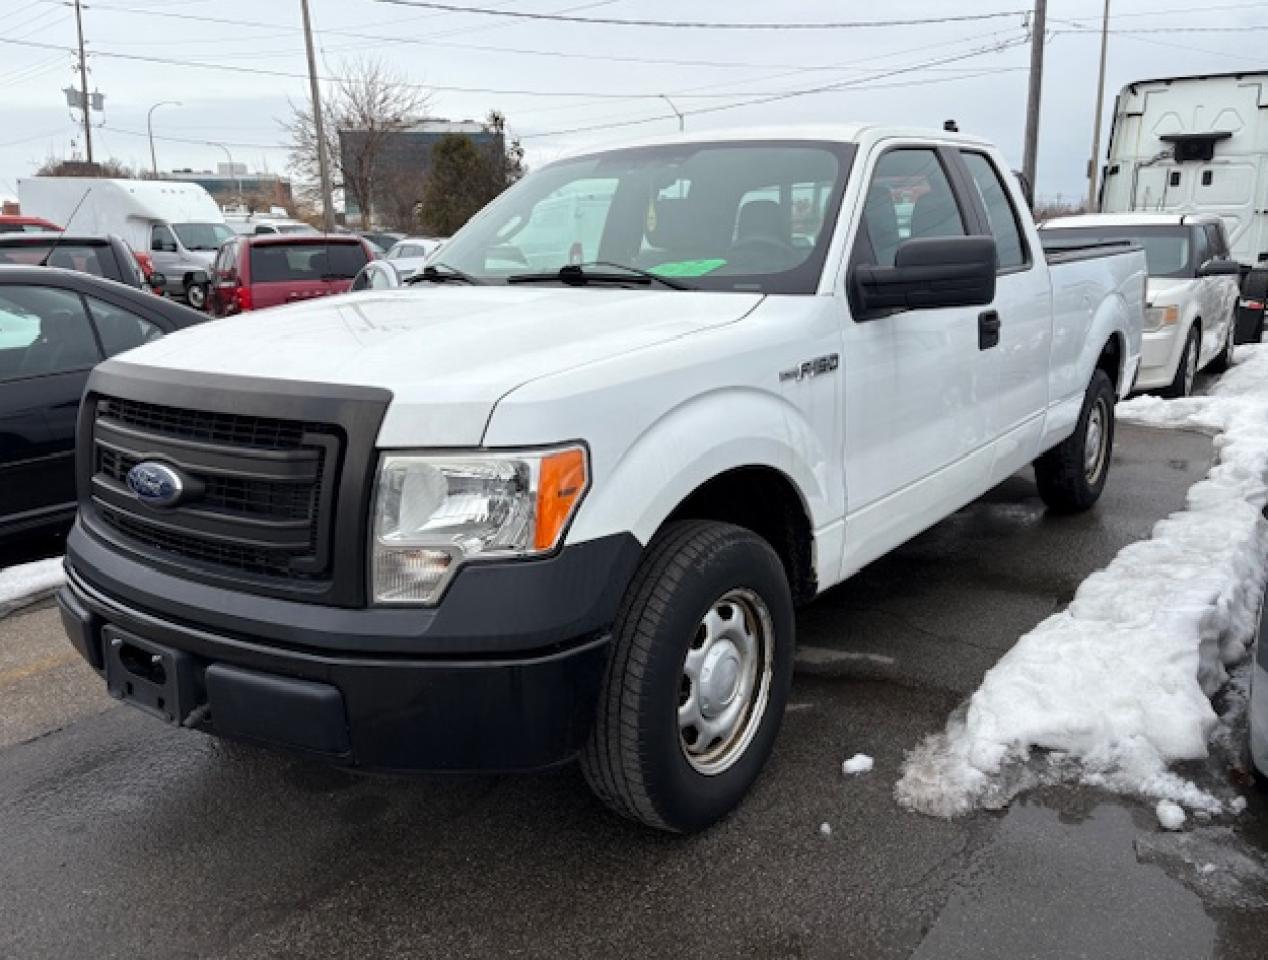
(155, 484)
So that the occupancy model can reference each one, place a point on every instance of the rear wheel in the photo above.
(1187, 369)
(695, 688)
(1072, 474)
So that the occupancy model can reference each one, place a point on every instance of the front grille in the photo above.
(258, 495)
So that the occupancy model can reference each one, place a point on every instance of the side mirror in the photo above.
(930, 273)
(1218, 267)
(157, 281)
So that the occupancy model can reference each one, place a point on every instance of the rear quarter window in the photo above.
(302, 262)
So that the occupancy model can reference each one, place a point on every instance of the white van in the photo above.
(1194, 145)
(178, 225)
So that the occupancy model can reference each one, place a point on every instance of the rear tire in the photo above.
(1187, 369)
(1072, 474)
(695, 688)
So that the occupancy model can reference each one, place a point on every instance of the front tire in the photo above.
(1072, 474)
(196, 295)
(695, 688)
(1225, 360)
(1187, 369)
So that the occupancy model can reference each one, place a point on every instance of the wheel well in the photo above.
(765, 501)
(1111, 360)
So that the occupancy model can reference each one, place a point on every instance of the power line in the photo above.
(702, 25)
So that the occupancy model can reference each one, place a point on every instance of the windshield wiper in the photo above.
(576, 275)
(432, 274)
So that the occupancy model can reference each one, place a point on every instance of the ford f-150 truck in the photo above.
(561, 499)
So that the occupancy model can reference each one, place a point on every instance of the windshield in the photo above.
(1167, 249)
(202, 236)
(723, 216)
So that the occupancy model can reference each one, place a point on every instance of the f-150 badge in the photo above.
(811, 368)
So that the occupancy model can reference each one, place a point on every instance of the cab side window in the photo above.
(1000, 212)
(43, 331)
(162, 239)
(1202, 246)
(909, 198)
(120, 329)
(1215, 237)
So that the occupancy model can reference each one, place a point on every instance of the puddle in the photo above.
(1051, 885)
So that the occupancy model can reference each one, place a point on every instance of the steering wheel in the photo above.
(764, 250)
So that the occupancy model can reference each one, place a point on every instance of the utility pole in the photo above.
(1094, 168)
(327, 202)
(1038, 26)
(83, 82)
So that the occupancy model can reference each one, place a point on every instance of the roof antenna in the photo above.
(950, 126)
(61, 233)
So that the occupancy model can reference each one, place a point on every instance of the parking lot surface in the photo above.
(120, 837)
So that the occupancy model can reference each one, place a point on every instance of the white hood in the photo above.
(447, 354)
(1169, 290)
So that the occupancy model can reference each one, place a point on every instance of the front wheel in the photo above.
(1225, 360)
(1072, 474)
(196, 295)
(695, 688)
(1187, 370)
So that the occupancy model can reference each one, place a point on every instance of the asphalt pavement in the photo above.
(120, 837)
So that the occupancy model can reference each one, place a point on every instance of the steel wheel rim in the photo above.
(1096, 441)
(725, 682)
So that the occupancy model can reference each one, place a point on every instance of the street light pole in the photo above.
(1094, 168)
(149, 127)
(323, 164)
(232, 169)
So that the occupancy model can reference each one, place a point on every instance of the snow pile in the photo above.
(1117, 686)
(1170, 815)
(859, 763)
(28, 582)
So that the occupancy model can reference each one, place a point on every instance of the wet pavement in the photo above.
(120, 837)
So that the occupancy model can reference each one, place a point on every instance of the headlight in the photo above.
(434, 512)
(1158, 317)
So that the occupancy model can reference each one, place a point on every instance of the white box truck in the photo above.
(177, 224)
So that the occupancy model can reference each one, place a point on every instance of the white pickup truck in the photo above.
(523, 511)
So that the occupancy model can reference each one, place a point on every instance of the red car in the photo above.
(268, 270)
(11, 223)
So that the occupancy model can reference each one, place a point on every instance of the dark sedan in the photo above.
(55, 325)
(105, 256)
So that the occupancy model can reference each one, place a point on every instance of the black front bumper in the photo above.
(503, 675)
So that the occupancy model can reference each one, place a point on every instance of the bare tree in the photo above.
(59, 167)
(362, 108)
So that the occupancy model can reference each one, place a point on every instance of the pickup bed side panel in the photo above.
(1093, 300)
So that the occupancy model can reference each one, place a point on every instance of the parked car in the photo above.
(55, 325)
(1253, 305)
(385, 274)
(1190, 320)
(383, 239)
(263, 224)
(266, 270)
(523, 515)
(177, 224)
(11, 223)
(414, 248)
(106, 256)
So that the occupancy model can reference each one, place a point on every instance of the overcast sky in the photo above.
(911, 74)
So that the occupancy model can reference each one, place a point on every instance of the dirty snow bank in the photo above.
(27, 582)
(1117, 686)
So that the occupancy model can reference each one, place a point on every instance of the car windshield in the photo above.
(291, 262)
(1167, 248)
(721, 216)
(68, 256)
(202, 236)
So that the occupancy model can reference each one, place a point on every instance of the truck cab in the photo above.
(560, 502)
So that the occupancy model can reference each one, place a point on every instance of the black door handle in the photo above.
(988, 324)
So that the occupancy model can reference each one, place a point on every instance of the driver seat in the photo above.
(761, 220)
